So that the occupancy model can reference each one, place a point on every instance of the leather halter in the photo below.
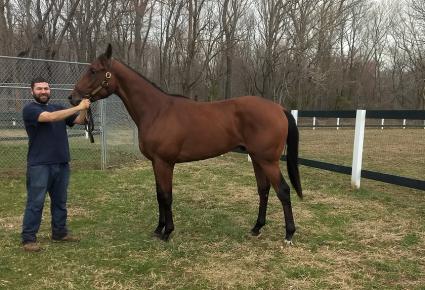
(103, 85)
(89, 126)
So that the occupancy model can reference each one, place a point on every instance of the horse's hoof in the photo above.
(255, 233)
(157, 235)
(289, 242)
(165, 237)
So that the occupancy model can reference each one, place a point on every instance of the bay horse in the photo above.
(174, 129)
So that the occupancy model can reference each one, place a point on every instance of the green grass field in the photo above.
(373, 238)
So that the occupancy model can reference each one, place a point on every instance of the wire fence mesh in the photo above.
(120, 133)
(112, 146)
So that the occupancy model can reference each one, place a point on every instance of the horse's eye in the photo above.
(92, 71)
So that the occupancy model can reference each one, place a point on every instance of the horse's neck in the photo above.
(140, 97)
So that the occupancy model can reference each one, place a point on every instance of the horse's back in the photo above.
(245, 115)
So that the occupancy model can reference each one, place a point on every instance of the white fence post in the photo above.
(404, 123)
(337, 123)
(314, 123)
(358, 148)
(382, 124)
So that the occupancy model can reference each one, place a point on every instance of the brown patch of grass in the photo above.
(12, 223)
(244, 266)
(76, 211)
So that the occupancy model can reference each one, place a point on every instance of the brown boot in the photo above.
(31, 247)
(67, 238)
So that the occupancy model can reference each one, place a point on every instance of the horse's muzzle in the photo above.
(74, 101)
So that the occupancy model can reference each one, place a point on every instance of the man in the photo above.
(47, 162)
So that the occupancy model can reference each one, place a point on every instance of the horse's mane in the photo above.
(149, 81)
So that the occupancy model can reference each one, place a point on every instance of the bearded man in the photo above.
(47, 162)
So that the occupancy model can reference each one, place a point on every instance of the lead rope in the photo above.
(89, 126)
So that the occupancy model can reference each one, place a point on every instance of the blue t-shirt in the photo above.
(48, 141)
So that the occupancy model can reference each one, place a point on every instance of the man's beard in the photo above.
(39, 100)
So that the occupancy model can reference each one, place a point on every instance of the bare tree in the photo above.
(379, 32)
(87, 28)
(273, 24)
(36, 31)
(195, 25)
(417, 26)
(169, 18)
(55, 40)
(6, 31)
(144, 9)
(409, 37)
(231, 13)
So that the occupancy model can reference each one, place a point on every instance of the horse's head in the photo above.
(97, 82)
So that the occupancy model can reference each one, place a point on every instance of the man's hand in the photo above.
(84, 104)
(82, 107)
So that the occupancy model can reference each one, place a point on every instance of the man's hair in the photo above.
(38, 80)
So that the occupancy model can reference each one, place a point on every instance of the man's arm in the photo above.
(81, 118)
(63, 114)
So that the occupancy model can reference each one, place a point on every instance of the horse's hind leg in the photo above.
(279, 184)
(163, 176)
(161, 223)
(263, 187)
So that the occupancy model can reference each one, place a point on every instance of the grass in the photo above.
(373, 238)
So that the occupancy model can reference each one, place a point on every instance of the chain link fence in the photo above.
(115, 135)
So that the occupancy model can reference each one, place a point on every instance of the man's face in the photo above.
(41, 92)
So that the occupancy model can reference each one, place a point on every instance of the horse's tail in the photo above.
(292, 154)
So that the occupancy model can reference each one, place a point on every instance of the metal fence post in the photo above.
(103, 138)
(358, 148)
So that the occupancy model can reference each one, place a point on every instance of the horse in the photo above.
(174, 129)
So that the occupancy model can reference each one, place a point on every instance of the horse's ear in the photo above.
(108, 52)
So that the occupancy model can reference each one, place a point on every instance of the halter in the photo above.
(89, 126)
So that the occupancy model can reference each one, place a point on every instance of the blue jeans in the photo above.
(54, 179)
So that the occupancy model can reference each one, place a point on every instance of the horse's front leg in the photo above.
(164, 179)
